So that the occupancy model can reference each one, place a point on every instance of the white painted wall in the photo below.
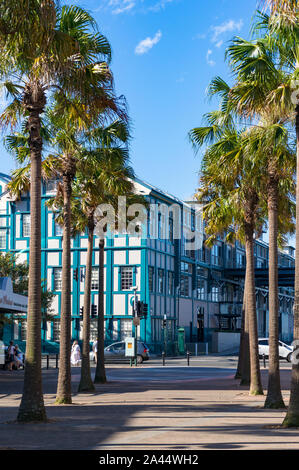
(119, 304)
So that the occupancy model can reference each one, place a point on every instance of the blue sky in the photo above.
(165, 52)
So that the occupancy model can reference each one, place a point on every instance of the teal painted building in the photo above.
(186, 287)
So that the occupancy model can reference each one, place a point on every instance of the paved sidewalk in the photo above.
(203, 413)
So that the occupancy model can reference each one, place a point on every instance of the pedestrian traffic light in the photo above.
(75, 275)
(93, 311)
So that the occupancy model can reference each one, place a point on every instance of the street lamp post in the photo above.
(135, 322)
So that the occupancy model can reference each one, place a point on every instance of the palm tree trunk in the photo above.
(255, 374)
(274, 397)
(243, 371)
(32, 405)
(100, 376)
(86, 384)
(292, 417)
(245, 365)
(64, 388)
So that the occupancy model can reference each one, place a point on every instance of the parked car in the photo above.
(2, 353)
(116, 352)
(285, 350)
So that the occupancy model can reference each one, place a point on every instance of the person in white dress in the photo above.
(95, 350)
(75, 354)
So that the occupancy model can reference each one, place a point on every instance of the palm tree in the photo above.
(103, 177)
(262, 92)
(243, 367)
(286, 8)
(54, 50)
(221, 128)
(115, 135)
(69, 128)
(231, 198)
(269, 144)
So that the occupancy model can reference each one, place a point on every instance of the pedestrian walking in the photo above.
(11, 355)
(75, 354)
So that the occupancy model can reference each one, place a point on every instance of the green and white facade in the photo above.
(187, 287)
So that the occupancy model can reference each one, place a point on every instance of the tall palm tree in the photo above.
(103, 177)
(262, 91)
(229, 192)
(69, 128)
(269, 144)
(113, 136)
(57, 50)
(221, 125)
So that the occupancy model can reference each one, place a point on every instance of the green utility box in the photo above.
(181, 340)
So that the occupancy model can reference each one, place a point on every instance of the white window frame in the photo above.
(26, 225)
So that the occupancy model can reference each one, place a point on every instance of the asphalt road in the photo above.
(175, 369)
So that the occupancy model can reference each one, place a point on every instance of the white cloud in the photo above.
(209, 60)
(146, 44)
(161, 4)
(121, 6)
(227, 26)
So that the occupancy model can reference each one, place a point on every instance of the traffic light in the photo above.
(75, 275)
(93, 311)
(145, 310)
(77, 323)
(164, 323)
(142, 309)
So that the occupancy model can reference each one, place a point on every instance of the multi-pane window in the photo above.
(215, 294)
(51, 186)
(26, 225)
(228, 294)
(126, 278)
(125, 329)
(3, 238)
(240, 260)
(160, 281)
(23, 330)
(170, 283)
(216, 255)
(93, 330)
(159, 225)
(58, 230)
(95, 279)
(184, 285)
(57, 278)
(151, 279)
(171, 229)
(56, 330)
(201, 289)
(186, 267)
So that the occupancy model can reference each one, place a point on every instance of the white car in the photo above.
(285, 351)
